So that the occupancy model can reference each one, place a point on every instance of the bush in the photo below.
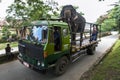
(14, 36)
(105, 34)
(3, 39)
(6, 32)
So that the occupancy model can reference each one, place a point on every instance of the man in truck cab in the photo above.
(56, 39)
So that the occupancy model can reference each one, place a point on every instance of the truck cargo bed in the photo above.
(85, 43)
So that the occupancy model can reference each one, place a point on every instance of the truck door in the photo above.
(65, 39)
(57, 38)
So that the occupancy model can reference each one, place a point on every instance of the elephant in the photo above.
(75, 21)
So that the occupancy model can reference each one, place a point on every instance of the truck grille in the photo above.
(21, 48)
(31, 50)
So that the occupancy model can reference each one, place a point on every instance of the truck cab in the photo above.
(44, 43)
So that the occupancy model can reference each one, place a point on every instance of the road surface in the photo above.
(16, 71)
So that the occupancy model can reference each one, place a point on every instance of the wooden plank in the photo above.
(84, 45)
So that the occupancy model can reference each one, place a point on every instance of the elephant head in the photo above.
(68, 12)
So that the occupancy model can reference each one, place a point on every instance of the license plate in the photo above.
(26, 64)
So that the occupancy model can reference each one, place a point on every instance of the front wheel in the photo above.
(61, 66)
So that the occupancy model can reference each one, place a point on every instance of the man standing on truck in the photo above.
(94, 34)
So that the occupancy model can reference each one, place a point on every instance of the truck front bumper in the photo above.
(25, 63)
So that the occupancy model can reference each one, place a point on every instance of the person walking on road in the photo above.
(8, 51)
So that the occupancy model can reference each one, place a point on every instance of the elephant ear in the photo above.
(61, 14)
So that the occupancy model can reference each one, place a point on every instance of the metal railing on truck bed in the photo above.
(87, 37)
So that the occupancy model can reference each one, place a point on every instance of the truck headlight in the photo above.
(38, 63)
(20, 54)
(42, 64)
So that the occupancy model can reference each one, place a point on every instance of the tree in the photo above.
(5, 32)
(101, 19)
(29, 10)
(32, 9)
(115, 14)
(111, 19)
(22, 12)
(16, 24)
(108, 25)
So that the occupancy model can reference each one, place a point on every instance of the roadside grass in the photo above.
(12, 44)
(109, 67)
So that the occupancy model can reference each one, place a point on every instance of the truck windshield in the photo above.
(38, 34)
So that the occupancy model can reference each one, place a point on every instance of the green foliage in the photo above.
(108, 25)
(22, 12)
(109, 69)
(13, 23)
(110, 65)
(101, 19)
(32, 9)
(115, 14)
(3, 39)
(111, 20)
(107, 22)
(5, 33)
(14, 37)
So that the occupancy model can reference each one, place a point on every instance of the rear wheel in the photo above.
(61, 66)
(91, 50)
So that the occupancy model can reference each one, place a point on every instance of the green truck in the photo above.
(47, 44)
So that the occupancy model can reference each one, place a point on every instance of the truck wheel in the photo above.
(91, 50)
(61, 66)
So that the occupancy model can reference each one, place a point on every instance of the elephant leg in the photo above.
(73, 34)
(81, 33)
(73, 39)
(81, 38)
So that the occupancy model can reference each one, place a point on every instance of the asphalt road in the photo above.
(16, 71)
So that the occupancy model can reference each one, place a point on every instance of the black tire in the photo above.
(91, 50)
(61, 66)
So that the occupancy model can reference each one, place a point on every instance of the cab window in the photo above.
(65, 32)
